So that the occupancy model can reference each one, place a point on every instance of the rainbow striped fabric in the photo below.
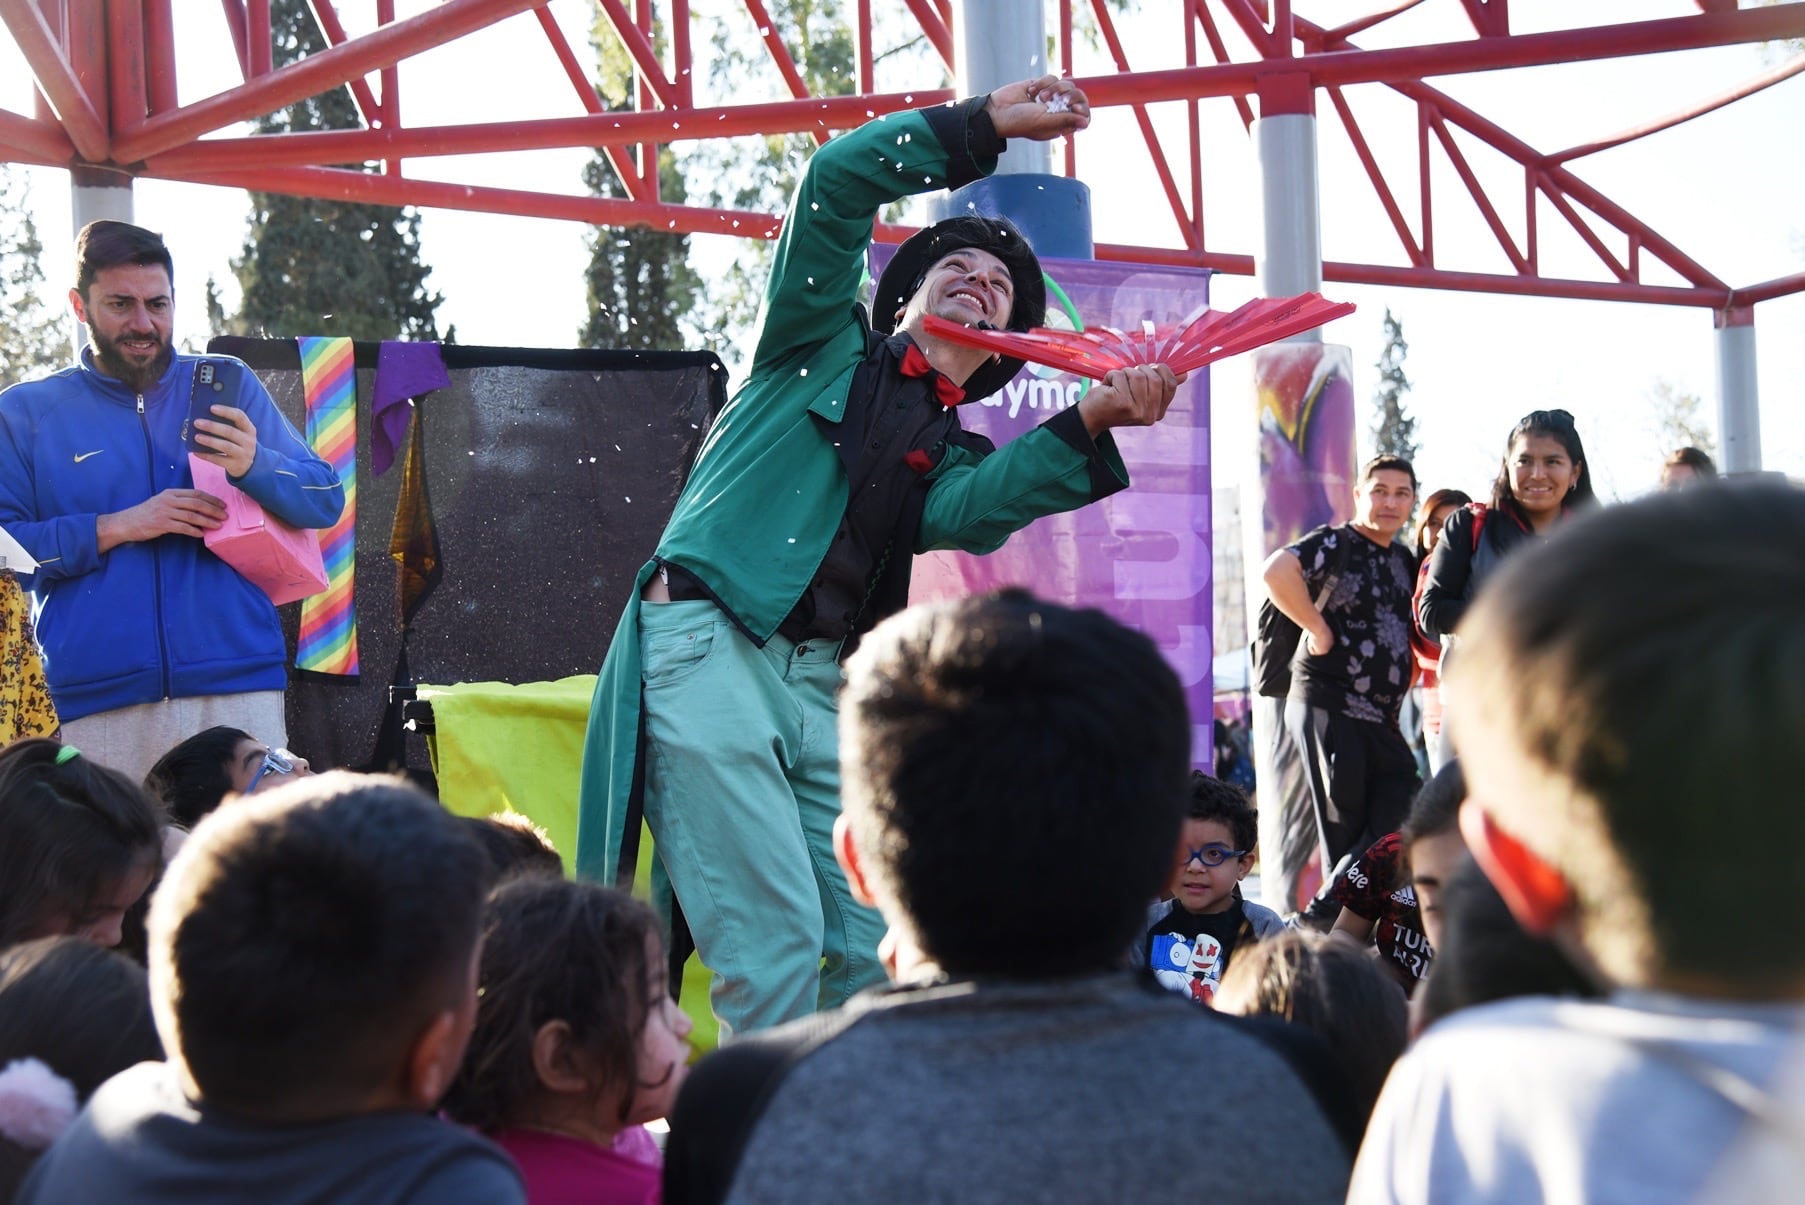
(328, 642)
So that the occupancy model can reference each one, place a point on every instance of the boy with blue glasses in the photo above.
(1191, 936)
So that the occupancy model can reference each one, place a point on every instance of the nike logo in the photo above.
(81, 456)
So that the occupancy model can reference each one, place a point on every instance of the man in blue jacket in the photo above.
(840, 458)
(147, 636)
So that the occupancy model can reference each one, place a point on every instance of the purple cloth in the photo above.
(403, 371)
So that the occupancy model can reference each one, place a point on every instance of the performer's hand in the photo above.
(172, 512)
(230, 439)
(1130, 397)
(1021, 110)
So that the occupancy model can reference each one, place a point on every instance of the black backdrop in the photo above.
(549, 476)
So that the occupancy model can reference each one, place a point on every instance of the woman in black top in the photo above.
(1543, 479)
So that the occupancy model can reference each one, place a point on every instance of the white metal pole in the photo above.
(94, 194)
(997, 42)
(1290, 258)
(1738, 393)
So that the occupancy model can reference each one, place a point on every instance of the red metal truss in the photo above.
(106, 77)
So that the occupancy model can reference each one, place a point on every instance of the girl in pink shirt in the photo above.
(577, 1042)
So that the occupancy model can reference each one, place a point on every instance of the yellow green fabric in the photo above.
(499, 747)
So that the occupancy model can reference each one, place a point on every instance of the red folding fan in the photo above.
(1210, 336)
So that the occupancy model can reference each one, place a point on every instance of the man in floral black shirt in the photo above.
(1349, 589)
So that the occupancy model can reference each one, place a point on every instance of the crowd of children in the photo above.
(348, 994)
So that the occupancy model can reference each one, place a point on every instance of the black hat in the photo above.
(925, 248)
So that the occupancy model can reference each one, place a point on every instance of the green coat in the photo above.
(769, 489)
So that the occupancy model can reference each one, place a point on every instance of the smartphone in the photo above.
(215, 381)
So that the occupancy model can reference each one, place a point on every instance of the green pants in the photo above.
(742, 789)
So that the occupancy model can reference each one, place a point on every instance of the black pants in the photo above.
(1362, 778)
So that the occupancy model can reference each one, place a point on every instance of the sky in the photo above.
(1728, 188)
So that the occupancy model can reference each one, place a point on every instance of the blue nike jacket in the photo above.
(161, 619)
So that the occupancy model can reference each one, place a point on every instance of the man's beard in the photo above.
(114, 363)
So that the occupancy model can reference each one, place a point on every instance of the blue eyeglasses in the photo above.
(278, 761)
(1211, 855)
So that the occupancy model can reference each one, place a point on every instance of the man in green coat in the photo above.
(839, 459)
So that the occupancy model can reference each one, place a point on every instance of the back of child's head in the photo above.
(1436, 808)
(1225, 803)
(83, 1015)
(72, 832)
(986, 739)
(303, 940)
(515, 845)
(1330, 985)
(556, 951)
(193, 777)
(1631, 692)
(1486, 955)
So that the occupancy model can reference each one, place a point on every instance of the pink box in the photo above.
(282, 560)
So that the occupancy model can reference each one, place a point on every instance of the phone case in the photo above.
(215, 381)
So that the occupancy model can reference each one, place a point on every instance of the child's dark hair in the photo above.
(1486, 955)
(305, 938)
(1225, 803)
(195, 775)
(70, 831)
(1436, 808)
(1329, 984)
(1696, 459)
(969, 725)
(554, 950)
(515, 845)
(82, 1011)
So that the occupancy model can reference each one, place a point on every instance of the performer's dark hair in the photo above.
(1001, 238)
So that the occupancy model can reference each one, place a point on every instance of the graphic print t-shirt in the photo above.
(1376, 887)
(1188, 951)
(1366, 674)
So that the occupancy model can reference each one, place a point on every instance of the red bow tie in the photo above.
(914, 364)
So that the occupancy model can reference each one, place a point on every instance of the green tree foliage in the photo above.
(1395, 432)
(1678, 419)
(642, 291)
(317, 267)
(759, 174)
(32, 339)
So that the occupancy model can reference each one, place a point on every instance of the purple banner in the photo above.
(1143, 555)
